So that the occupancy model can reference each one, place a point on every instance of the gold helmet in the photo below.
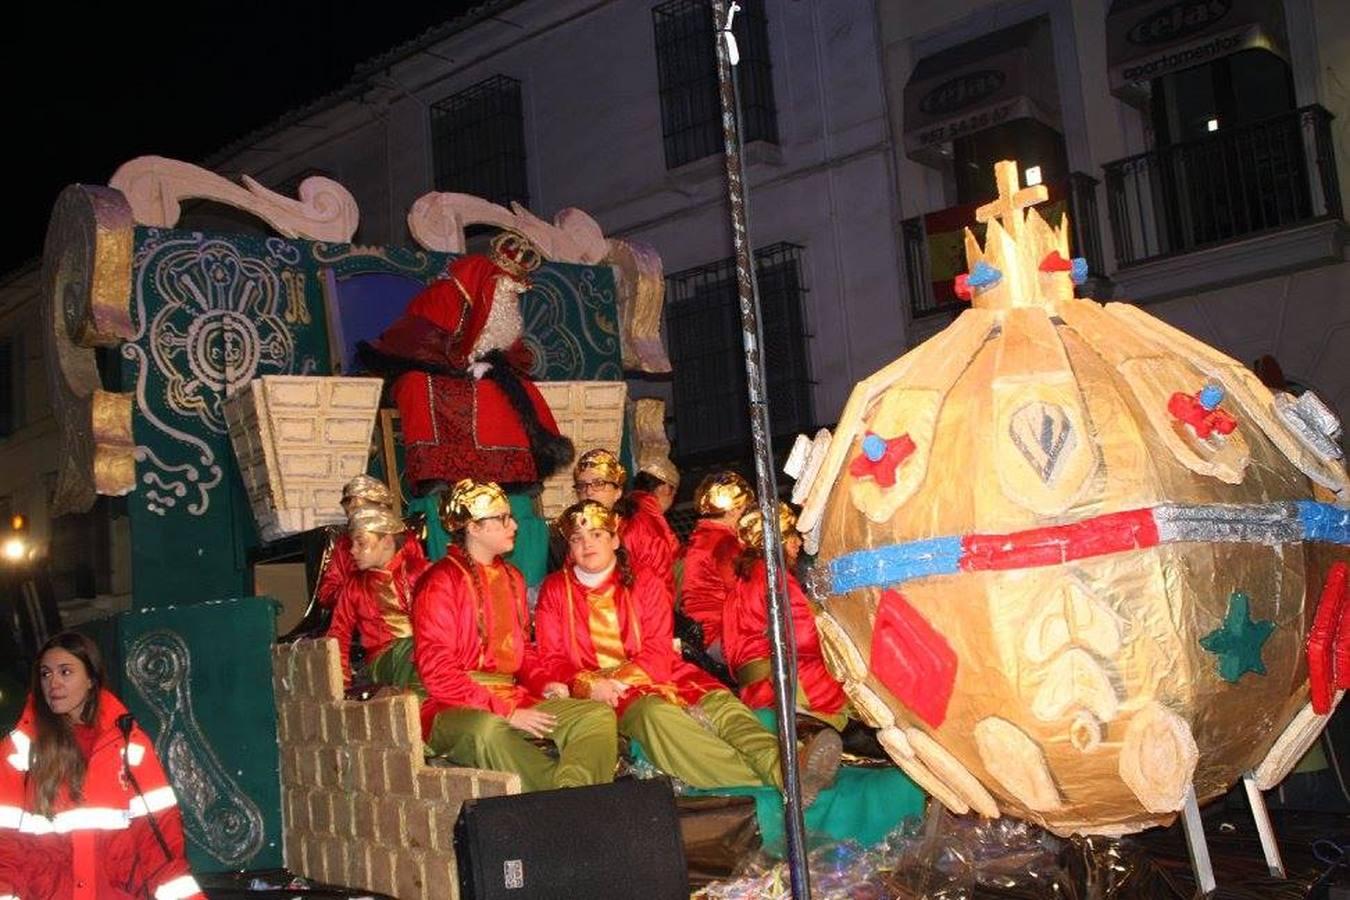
(586, 514)
(366, 490)
(469, 501)
(603, 463)
(750, 528)
(662, 468)
(375, 519)
(721, 493)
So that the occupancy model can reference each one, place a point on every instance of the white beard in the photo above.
(504, 324)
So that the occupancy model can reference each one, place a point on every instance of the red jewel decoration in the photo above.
(1054, 262)
(883, 460)
(962, 287)
(913, 661)
(1188, 408)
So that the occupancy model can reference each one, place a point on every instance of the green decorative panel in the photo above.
(211, 313)
(198, 679)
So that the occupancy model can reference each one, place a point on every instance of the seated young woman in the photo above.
(745, 627)
(605, 631)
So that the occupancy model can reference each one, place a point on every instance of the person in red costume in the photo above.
(86, 812)
(651, 543)
(361, 492)
(476, 662)
(375, 603)
(745, 627)
(710, 556)
(604, 629)
(460, 368)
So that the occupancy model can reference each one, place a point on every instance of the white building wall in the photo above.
(1302, 318)
(594, 141)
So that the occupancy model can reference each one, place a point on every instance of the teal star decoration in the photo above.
(1238, 641)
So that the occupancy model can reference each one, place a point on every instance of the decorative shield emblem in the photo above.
(1043, 433)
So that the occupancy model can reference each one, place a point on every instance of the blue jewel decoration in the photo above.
(984, 275)
(1211, 395)
(874, 447)
(1079, 273)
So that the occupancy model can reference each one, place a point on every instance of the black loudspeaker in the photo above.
(606, 842)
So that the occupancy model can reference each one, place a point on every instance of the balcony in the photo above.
(1238, 204)
(935, 252)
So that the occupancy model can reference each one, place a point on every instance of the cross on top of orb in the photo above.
(1011, 201)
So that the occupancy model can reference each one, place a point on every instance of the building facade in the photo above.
(1199, 145)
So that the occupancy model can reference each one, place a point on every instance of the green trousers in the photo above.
(585, 735)
(394, 666)
(735, 751)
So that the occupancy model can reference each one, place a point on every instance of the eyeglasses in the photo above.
(505, 519)
(583, 487)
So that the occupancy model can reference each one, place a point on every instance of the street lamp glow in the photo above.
(1212, 125)
(1033, 176)
(14, 549)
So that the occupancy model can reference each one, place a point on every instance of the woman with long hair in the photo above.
(86, 811)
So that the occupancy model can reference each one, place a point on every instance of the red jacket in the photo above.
(101, 847)
(746, 639)
(336, 570)
(651, 544)
(562, 629)
(455, 633)
(377, 605)
(709, 575)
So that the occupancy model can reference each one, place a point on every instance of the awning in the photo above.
(1006, 74)
(1146, 39)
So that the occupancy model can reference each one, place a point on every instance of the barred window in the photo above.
(708, 358)
(686, 67)
(478, 142)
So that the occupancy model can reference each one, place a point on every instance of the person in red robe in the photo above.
(477, 664)
(375, 602)
(460, 376)
(646, 534)
(361, 492)
(604, 629)
(745, 627)
(710, 556)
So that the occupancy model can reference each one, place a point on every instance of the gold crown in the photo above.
(469, 500)
(603, 462)
(721, 493)
(1024, 261)
(586, 514)
(662, 468)
(750, 529)
(376, 519)
(515, 255)
(366, 489)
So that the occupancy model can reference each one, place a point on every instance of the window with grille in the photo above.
(478, 142)
(707, 353)
(686, 67)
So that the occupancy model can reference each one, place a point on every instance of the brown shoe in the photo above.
(818, 763)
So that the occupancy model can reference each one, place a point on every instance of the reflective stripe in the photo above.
(153, 801)
(88, 818)
(134, 753)
(22, 747)
(177, 889)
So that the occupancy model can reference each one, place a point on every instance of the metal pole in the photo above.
(782, 653)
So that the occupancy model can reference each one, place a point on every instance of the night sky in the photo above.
(89, 88)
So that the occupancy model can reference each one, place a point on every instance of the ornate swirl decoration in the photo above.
(217, 814)
(437, 222)
(155, 187)
(86, 277)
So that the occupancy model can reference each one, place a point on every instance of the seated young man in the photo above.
(745, 627)
(472, 650)
(604, 630)
(374, 601)
(710, 557)
(644, 531)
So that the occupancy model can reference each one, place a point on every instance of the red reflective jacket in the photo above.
(101, 847)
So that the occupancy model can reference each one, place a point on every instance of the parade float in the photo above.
(1077, 566)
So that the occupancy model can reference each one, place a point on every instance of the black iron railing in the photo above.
(934, 253)
(1272, 175)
